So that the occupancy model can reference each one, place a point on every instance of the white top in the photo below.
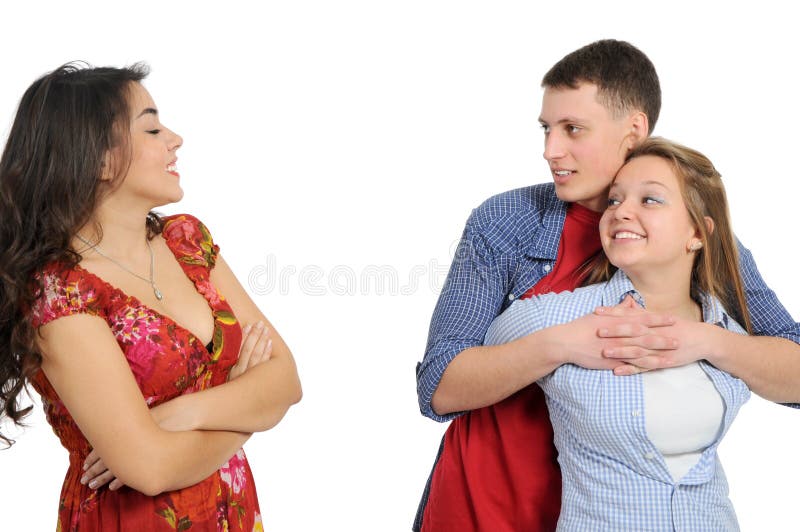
(683, 414)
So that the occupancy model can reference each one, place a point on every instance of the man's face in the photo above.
(584, 144)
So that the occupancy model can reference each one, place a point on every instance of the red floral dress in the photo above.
(167, 361)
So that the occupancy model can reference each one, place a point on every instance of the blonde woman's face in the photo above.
(646, 226)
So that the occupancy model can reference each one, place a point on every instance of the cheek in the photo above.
(604, 221)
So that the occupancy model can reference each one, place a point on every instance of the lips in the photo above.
(561, 175)
(628, 235)
(172, 168)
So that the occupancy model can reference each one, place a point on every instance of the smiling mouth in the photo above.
(628, 235)
(560, 176)
(172, 168)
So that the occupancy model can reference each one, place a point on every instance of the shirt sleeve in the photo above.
(63, 292)
(471, 297)
(523, 317)
(767, 315)
(190, 241)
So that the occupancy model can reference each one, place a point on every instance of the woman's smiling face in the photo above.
(647, 226)
(152, 174)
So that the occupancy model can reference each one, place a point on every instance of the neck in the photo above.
(124, 230)
(667, 294)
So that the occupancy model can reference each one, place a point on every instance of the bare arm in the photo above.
(86, 367)
(256, 348)
(257, 399)
(775, 377)
(484, 375)
(770, 366)
(769, 362)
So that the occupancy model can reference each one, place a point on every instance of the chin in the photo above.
(175, 196)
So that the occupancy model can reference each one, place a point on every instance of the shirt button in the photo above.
(636, 413)
(649, 456)
(511, 297)
(547, 267)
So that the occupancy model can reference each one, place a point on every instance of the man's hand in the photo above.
(646, 341)
(625, 338)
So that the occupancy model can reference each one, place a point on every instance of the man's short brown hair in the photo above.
(626, 79)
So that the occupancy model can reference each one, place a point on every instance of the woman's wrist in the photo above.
(175, 415)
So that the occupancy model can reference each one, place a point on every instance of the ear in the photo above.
(639, 128)
(709, 224)
(696, 242)
(107, 172)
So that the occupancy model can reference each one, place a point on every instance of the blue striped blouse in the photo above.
(614, 478)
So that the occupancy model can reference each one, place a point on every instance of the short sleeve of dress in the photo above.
(64, 291)
(190, 241)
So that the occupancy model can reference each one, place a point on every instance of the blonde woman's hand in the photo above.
(256, 348)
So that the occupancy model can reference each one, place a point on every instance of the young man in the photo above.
(496, 470)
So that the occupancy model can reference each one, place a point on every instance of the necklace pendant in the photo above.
(158, 293)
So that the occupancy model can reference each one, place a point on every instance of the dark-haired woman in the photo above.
(128, 323)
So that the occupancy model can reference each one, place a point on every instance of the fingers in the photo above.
(636, 314)
(250, 336)
(628, 369)
(262, 351)
(256, 348)
(641, 358)
(90, 460)
(115, 484)
(640, 346)
(623, 330)
(95, 472)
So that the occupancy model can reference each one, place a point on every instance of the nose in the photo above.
(175, 141)
(553, 147)
(624, 211)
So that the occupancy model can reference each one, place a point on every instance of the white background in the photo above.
(336, 137)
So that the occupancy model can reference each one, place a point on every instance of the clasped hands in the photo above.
(256, 348)
(631, 340)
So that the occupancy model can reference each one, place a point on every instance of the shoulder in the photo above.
(715, 312)
(64, 291)
(525, 316)
(519, 216)
(190, 240)
(565, 306)
(528, 203)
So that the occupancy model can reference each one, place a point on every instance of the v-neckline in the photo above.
(135, 300)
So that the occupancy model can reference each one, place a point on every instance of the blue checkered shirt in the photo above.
(509, 243)
(614, 478)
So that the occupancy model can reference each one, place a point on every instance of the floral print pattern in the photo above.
(166, 361)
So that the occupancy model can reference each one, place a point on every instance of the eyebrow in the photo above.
(648, 182)
(563, 120)
(654, 182)
(148, 111)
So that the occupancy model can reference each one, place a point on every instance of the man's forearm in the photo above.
(770, 366)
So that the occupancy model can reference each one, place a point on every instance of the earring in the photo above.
(695, 246)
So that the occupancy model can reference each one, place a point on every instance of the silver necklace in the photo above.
(151, 280)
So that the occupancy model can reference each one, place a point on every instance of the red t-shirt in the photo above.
(498, 470)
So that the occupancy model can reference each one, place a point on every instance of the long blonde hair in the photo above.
(716, 265)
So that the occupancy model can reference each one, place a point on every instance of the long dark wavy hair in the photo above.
(50, 171)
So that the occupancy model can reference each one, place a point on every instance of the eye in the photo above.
(650, 200)
(612, 202)
(573, 129)
(545, 128)
(153, 131)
